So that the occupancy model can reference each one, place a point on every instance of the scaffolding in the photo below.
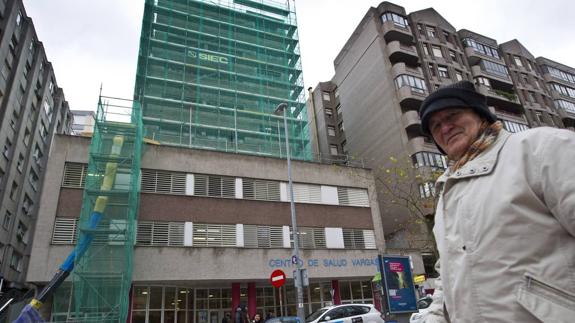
(211, 72)
(98, 290)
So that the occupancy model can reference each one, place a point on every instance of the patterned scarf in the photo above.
(487, 135)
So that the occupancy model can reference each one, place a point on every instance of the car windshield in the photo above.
(313, 316)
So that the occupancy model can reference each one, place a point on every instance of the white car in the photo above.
(348, 313)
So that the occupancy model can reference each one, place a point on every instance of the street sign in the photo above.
(294, 259)
(278, 278)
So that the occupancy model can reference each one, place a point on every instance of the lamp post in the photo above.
(281, 110)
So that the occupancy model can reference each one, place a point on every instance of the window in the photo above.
(13, 191)
(13, 44)
(566, 105)
(428, 159)
(443, 73)
(481, 48)
(564, 90)
(325, 96)
(458, 75)
(7, 149)
(328, 112)
(483, 81)
(494, 68)
(311, 238)
(432, 69)
(262, 236)
(538, 116)
(416, 84)
(336, 93)
(453, 55)
(431, 31)
(397, 19)
(33, 179)
(436, 51)
(214, 235)
(333, 150)
(18, 18)
(426, 190)
(75, 175)
(214, 186)
(517, 60)
(331, 131)
(65, 231)
(37, 155)
(7, 220)
(532, 97)
(514, 126)
(445, 35)
(16, 261)
(150, 233)
(20, 164)
(425, 49)
(155, 181)
(306, 193)
(22, 232)
(349, 196)
(27, 205)
(48, 108)
(6, 69)
(340, 127)
(355, 239)
(256, 189)
(43, 131)
(568, 77)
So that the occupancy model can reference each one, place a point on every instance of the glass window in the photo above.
(443, 71)
(326, 96)
(494, 68)
(458, 75)
(331, 131)
(436, 51)
(328, 112)
(517, 60)
(431, 32)
(333, 150)
(18, 18)
(432, 70)
(397, 19)
(566, 105)
(453, 55)
(483, 81)
(7, 220)
(481, 48)
(425, 50)
(416, 84)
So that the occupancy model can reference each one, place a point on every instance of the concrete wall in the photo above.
(170, 263)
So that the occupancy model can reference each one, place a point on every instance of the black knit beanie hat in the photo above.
(461, 94)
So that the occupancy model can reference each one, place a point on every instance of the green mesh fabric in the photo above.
(211, 73)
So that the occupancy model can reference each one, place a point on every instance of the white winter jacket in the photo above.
(505, 230)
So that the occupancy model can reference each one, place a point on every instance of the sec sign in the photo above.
(278, 278)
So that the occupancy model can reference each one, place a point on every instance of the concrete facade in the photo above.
(223, 267)
(32, 110)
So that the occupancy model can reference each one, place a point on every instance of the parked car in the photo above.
(348, 313)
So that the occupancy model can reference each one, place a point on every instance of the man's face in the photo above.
(454, 130)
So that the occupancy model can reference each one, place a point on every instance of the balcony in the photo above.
(477, 70)
(410, 98)
(411, 122)
(474, 57)
(395, 32)
(401, 68)
(502, 99)
(399, 52)
(421, 143)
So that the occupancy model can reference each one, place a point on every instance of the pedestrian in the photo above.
(241, 314)
(505, 217)
(269, 316)
(257, 318)
(227, 318)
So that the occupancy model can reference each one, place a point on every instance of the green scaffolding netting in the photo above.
(98, 289)
(211, 73)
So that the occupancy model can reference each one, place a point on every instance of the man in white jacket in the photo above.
(505, 217)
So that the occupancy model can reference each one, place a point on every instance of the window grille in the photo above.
(261, 236)
(254, 189)
(75, 175)
(214, 186)
(352, 196)
(369, 239)
(151, 233)
(307, 193)
(154, 181)
(65, 230)
(214, 235)
(311, 238)
(353, 239)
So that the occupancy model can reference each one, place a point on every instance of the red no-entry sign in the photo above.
(278, 278)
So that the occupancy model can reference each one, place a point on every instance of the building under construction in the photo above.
(211, 73)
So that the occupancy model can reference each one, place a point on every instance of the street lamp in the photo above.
(281, 110)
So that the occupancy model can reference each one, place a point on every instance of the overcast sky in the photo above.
(96, 42)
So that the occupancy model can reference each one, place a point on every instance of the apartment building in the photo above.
(32, 110)
(394, 59)
(212, 226)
